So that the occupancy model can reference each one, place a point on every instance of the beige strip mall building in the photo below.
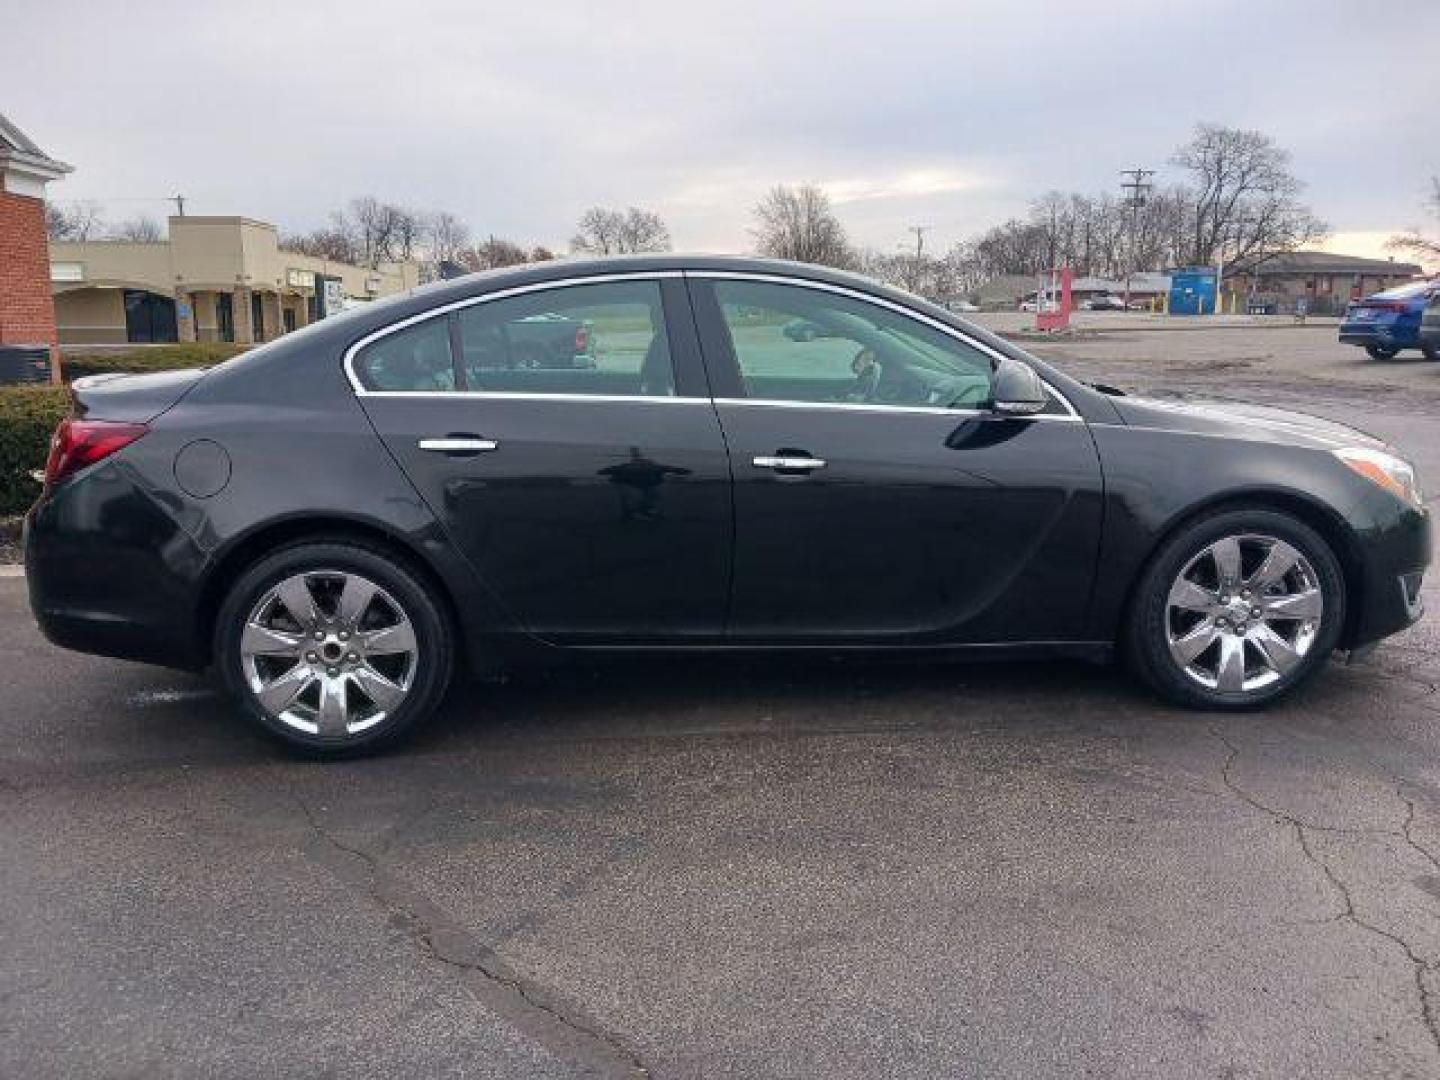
(214, 279)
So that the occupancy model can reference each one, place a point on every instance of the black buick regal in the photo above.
(341, 519)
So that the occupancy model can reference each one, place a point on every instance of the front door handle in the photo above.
(788, 463)
(458, 444)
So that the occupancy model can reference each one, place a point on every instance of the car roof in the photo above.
(1408, 291)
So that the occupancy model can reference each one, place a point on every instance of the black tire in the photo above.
(434, 653)
(1382, 352)
(1431, 350)
(1145, 642)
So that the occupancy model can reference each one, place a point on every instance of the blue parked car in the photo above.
(1388, 321)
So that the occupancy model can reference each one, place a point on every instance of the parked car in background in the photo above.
(1104, 302)
(919, 486)
(549, 340)
(1430, 328)
(1039, 304)
(1389, 321)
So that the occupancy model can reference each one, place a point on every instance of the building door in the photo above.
(257, 317)
(149, 317)
(225, 316)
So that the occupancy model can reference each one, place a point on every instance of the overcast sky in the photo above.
(519, 115)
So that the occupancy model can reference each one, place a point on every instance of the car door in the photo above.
(876, 499)
(564, 436)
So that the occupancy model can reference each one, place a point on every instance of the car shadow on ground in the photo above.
(167, 719)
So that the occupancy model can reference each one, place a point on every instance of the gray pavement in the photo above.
(702, 868)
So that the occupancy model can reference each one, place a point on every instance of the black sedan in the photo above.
(339, 520)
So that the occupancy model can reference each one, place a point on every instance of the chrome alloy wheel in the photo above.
(329, 653)
(1243, 613)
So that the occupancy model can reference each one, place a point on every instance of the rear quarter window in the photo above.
(415, 359)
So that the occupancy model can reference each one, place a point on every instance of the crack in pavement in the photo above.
(560, 1026)
(1348, 913)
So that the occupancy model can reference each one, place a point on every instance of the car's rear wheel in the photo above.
(337, 648)
(1382, 352)
(1236, 609)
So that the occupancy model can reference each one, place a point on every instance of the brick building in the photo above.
(1326, 282)
(27, 310)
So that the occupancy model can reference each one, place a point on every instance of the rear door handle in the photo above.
(784, 464)
(458, 444)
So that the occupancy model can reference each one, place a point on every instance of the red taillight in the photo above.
(1400, 306)
(78, 443)
(582, 338)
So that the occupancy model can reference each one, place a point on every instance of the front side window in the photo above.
(416, 358)
(606, 338)
(799, 344)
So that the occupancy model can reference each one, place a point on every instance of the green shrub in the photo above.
(151, 358)
(28, 416)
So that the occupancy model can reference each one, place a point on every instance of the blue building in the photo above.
(1193, 291)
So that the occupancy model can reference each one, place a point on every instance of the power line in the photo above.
(919, 231)
(1137, 187)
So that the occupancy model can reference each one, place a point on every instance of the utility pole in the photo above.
(179, 201)
(1136, 188)
(919, 231)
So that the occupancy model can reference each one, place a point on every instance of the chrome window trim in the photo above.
(348, 361)
(869, 407)
(878, 301)
(470, 301)
(526, 395)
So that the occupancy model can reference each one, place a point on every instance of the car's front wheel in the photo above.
(1236, 609)
(337, 648)
(1382, 352)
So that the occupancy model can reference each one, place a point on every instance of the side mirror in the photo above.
(1017, 390)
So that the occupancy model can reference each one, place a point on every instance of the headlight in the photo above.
(1387, 470)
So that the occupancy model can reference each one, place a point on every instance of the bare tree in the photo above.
(940, 278)
(73, 221)
(412, 232)
(643, 230)
(141, 229)
(448, 237)
(1417, 244)
(620, 232)
(1246, 198)
(492, 252)
(336, 241)
(798, 223)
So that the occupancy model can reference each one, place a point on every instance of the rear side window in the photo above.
(414, 359)
(602, 339)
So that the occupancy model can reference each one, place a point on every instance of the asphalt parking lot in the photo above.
(759, 869)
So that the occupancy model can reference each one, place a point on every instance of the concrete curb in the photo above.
(11, 570)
